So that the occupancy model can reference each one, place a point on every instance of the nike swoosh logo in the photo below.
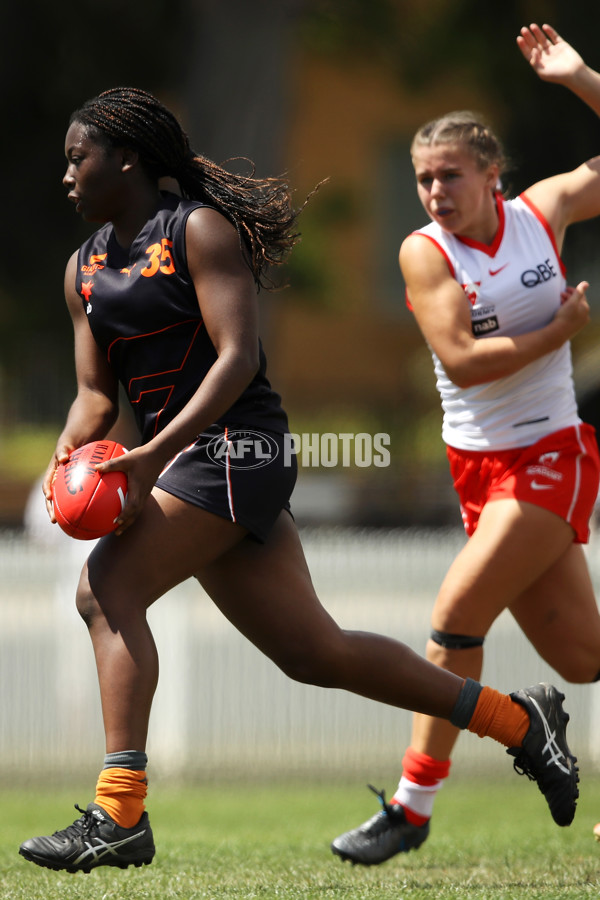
(496, 271)
(541, 487)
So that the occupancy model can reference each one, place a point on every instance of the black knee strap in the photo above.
(455, 641)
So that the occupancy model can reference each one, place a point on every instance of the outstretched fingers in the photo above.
(534, 40)
(550, 32)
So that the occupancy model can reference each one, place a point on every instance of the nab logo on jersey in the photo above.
(484, 326)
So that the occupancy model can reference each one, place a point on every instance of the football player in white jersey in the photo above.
(487, 287)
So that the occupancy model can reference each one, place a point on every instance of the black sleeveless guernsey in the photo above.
(144, 315)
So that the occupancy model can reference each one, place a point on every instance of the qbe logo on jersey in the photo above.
(243, 449)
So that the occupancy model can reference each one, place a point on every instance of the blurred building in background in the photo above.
(331, 92)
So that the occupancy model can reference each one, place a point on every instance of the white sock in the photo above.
(419, 798)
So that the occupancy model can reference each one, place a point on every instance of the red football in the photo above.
(86, 503)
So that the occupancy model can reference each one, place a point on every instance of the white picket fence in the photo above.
(220, 706)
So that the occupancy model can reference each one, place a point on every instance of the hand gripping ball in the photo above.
(86, 502)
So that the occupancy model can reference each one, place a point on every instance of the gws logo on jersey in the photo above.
(543, 272)
(472, 291)
(243, 449)
(95, 263)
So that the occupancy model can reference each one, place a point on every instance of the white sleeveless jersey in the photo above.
(513, 286)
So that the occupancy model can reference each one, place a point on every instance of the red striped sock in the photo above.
(422, 777)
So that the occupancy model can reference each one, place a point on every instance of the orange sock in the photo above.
(121, 792)
(499, 717)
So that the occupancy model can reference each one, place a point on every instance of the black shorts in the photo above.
(243, 475)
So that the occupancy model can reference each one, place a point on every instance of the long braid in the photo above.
(260, 208)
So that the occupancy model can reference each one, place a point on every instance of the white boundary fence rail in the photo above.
(221, 707)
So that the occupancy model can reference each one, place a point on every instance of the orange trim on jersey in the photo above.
(543, 221)
(163, 387)
(134, 337)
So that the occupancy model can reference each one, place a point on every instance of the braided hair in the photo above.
(259, 208)
(468, 130)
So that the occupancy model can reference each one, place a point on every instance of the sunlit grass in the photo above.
(488, 841)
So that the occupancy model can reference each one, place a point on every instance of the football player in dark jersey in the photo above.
(163, 299)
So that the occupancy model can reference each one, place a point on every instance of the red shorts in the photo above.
(560, 472)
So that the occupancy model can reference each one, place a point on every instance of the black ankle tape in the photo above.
(465, 705)
(136, 760)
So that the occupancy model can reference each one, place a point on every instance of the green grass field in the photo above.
(272, 842)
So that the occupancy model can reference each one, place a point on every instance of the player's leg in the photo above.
(560, 617)
(122, 578)
(502, 560)
(267, 594)
(166, 544)
(266, 591)
(498, 562)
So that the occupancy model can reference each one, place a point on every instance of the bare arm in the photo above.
(556, 61)
(95, 408)
(442, 313)
(571, 196)
(228, 301)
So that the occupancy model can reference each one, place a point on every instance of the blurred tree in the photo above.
(237, 84)
(51, 60)
(220, 66)
(545, 129)
(223, 67)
